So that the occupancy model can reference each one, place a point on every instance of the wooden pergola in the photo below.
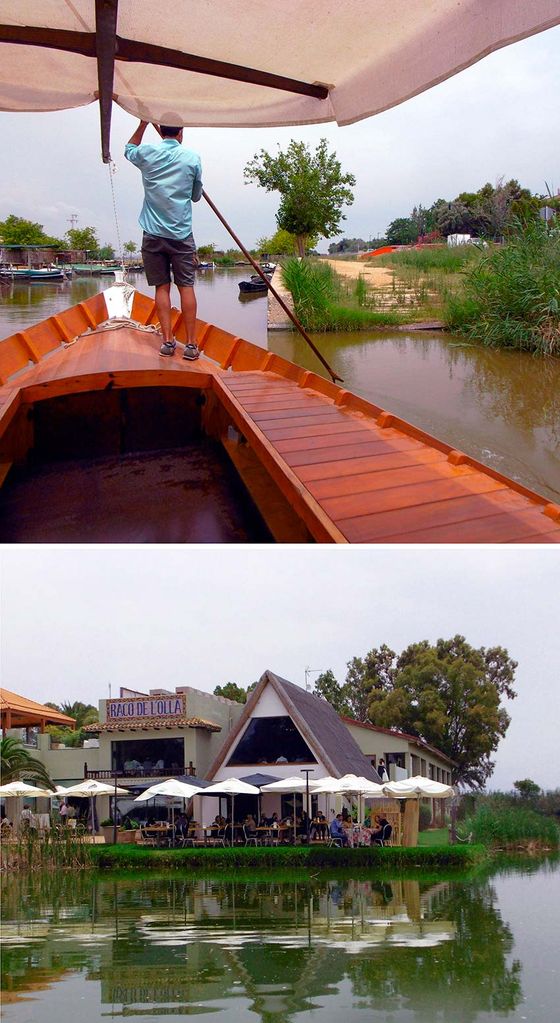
(19, 712)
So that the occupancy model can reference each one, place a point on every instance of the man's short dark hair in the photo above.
(168, 131)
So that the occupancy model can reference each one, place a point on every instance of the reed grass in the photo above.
(509, 827)
(511, 297)
(323, 304)
(444, 259)
(54, 850)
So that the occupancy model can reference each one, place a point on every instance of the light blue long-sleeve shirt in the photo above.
(172, 176)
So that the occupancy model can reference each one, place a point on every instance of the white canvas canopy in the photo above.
(417, 788)
(237, 64)
(171, 787)
(92, 788)
(15, 789)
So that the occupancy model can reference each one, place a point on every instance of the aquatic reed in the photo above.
(56, 849)
(322, 303)
(497, 825)
(511, 297)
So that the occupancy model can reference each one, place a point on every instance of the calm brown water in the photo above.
(361, 949)
(501, 407)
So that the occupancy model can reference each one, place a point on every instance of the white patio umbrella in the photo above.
(91, 788)
(417, 787)
(230, 787)
(292, 785)
(23, 788)
(170, 788)
(350, 784)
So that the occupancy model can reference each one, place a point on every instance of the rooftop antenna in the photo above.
(308, 672)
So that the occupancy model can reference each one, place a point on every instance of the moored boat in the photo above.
(34, 274)
(255, 285)
(319, 463)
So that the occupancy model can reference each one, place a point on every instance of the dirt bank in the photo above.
(376, 276)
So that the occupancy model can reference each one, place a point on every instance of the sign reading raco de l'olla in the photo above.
(145, 707)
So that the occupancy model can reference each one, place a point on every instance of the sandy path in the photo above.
(376, 276)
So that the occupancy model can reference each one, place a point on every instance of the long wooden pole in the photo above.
(295, 321)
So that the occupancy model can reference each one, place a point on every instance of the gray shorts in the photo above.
(161, 255)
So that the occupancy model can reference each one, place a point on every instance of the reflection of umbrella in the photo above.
(23, 788)
(291, 785)
(230, 787)
(91, 788)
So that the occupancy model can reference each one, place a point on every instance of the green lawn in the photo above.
(439, 836)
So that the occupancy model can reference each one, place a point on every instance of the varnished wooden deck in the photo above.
(353, 472)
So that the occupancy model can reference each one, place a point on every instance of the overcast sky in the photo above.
(496, 118)
(76, 620)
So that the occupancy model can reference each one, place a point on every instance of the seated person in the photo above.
(383, 830)
(319, 827)
(181, 825)
(250, 824)
(337, 830)
(218, 822)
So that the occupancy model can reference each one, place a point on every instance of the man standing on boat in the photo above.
(172, 177)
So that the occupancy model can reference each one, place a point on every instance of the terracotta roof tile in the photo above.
(149, 723)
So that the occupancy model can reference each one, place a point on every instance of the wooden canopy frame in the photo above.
(19, 712)
(106, 46)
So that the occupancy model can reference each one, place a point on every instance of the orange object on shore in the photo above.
(378, 252)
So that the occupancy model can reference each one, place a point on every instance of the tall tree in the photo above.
(231, 691)
(449, 694)
(366, 675)
(17, 764)
(18, 231)
(83, 238)
(312, 187)
(329, 689)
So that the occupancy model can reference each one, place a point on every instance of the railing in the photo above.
(141, 772)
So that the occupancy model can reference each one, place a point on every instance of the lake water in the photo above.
(501, 407)
(361, 949)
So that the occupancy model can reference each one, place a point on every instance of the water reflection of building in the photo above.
(161, 947)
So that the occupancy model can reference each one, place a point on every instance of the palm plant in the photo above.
(16, 763)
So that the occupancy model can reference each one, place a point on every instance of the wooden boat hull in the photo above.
(319, 462)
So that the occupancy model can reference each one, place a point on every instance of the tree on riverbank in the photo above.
(312, 187)
(19, 231)
(448, 694)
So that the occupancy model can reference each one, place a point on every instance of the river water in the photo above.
(364, 949)
(501, 407)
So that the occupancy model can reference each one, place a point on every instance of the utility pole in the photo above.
(308, 672)
(73, 220)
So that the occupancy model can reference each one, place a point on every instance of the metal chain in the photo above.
(112, 171)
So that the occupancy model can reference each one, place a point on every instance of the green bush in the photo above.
(511, 296)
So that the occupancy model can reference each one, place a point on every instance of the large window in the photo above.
(146, 756)
(272, 741)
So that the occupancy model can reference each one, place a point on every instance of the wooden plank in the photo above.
(307, 410)
(302, 432)
(367, 483)
(335, 452)
(405, 521)
(507, 527)
(407, 455)
(413, 496)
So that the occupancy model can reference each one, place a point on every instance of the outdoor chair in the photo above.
(249, 836)
(334, 841)
(385, 838)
